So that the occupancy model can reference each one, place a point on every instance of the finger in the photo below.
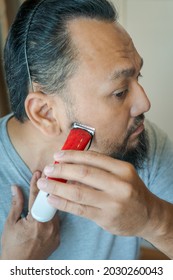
(74, 192)
(33, 188)
(88, 175)
(76, 209)
(16, 205)
(94, 159)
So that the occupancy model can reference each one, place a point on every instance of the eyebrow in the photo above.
(126, 73)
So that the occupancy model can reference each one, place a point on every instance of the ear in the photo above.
(40, 112)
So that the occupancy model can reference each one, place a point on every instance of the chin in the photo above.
(137, 151)
(133, 143)
(134, 152)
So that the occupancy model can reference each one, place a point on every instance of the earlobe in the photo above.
(40, 113)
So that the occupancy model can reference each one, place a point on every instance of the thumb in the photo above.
(16, 205)
(33, 188)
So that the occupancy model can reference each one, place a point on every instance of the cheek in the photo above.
(109, 136)
(111, 126)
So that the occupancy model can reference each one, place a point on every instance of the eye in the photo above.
(121, 94)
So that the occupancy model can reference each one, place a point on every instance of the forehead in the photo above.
(103, 42)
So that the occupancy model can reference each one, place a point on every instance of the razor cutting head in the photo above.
(91, 130)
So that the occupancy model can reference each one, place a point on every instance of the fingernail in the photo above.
(59, 155)
(42, 183)
(13, 190)
(49, 169)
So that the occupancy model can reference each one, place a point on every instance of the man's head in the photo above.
(83, 66)
(39, 38)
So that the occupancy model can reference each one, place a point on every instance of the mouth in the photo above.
(137, 131)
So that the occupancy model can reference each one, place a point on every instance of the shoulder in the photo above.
(159, 142)
(4, 120)
(158, 170)
(156, 135)
(4, 137)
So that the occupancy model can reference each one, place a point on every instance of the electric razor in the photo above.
(79, 138)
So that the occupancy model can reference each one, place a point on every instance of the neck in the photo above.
(34, 148)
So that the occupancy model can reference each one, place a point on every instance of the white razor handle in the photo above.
(41, 210)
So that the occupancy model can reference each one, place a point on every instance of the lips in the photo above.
(138, 129)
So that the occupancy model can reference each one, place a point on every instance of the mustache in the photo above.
(138, 120)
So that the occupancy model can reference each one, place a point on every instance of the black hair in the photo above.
(39, 48)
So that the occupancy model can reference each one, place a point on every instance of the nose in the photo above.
(140, 101)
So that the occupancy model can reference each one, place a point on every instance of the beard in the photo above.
(136, 154)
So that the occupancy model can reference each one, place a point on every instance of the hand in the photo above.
(100, 188)
(25, 238)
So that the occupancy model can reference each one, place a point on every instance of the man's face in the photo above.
(105, 91)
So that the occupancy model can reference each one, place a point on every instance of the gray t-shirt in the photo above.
(82, 238)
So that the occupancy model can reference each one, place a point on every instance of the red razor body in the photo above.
(78, 139)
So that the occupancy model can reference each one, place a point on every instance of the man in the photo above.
(70, 61)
